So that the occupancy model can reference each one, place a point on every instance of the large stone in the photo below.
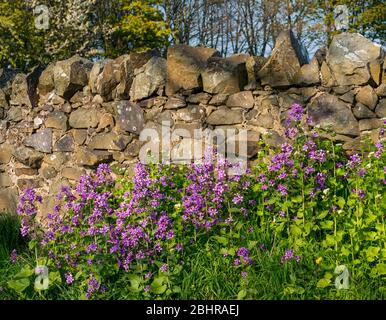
(370, 124)
(113, 78)
(348, 59)
(109, 141)
(362, 112)
(327, 111)
(5, 153)
(380, 110)
(57, 159)
(57, 120)
(242, 99)
(184, 67)
(28, 157)
(90, 158)
(40, 141)
(191, 113)
(84, 118)
(287, 57)
(254, 65)
(71, 75)
(225, 115)
(225, 75)
(65, 144)
(381, 90)
(46, 80)
(148, 79)
(23, 171)
(8, 200)
(24, 88)
(129, 117)
(175, 102)
(3, 102)
(367, 96)
(219, 99)
(308, 73)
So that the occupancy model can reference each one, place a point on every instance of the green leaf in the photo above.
(381, 269)
(328, 225)
(19, 285)
(323, 283)
(222, 240)
(159, 290)
(372, 253)
(25, 272)
(242, 294)
(54, 277)
(297, 199)
(32, 244)
(341, 202)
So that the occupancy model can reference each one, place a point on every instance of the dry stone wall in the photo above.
(59, 122)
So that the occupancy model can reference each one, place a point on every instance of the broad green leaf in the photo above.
(242, 294)
(19, 285)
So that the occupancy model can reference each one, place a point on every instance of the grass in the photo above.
(206, 275)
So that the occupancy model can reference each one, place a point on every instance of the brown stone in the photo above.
(370, 124)
(84, 118)
(362, 112)
(48, 172)
(24, 184)
(72, 173)
(367, 96)
(26, 172)
(57, 120)
(28, 157)
(87, 157)
(175, 102)
(242, 99)
(184, 67)
(65, 144)
(5, 180)
(5, 153)
(225, 115)
(8, 200)
(109, 141)
(79, 135)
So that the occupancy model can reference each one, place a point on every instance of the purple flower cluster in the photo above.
(289, 255)
(27, 209)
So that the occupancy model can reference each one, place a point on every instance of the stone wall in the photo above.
(59, 122)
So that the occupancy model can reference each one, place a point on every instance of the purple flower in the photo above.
(237, 199)
(296, 112)
(282, 189)
(354, 161)
(244, 274)
(69, 278)
(13, 256)
(179, 247)
(147, 288)
(164, 268)
(288, 255)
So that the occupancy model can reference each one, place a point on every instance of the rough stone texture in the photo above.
(225, 115)
(83, 118)
(40, 141)
(287, 57)
(24, 88)
(225, 75)
(380, 110)
(57, 120)
(8, 200)
(5, 153)
(327, 110)
(28, 157)
(348, 58)
(242, 99)
(75, 113)
(129, 117)
(109, 141)
(367, 96)
(148, 79)
(71, 75)
(184, 67)
(360, 111)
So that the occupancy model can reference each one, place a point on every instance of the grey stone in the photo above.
(71, 75)
(65, 144)
(28, 157)
(40, 141)
(175, 103)
(362, 112)
(328, 111)
(225, 75)
(197, 98)
(129, 117)
(380, 110)
(348, 59)
(148, 79)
